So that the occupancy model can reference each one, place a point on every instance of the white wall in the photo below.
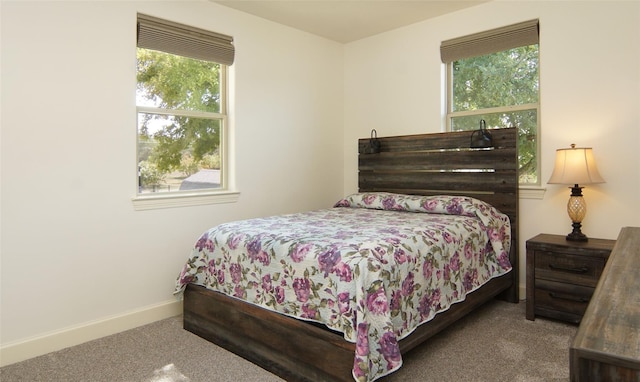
(590, 95)
(77, 260)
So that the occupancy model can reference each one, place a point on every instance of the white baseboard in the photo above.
(36, 346)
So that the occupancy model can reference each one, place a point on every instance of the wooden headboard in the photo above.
(443, 163)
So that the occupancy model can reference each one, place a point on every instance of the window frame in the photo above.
(450, 114)
(226, 193)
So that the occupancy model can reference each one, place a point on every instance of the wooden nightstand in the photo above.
(562, 275)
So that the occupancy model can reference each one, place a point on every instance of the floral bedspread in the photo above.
(374, 267)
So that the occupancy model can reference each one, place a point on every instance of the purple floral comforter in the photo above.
(374, 267)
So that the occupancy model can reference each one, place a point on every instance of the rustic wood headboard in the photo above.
(443, 163)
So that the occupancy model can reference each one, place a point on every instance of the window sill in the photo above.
(531, 192)
(158, 201)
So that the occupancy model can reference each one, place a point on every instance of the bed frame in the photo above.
(425, 164)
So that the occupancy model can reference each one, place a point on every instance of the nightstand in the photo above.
(562, 275)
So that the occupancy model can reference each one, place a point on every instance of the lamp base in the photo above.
(576, 234)
(577, 209)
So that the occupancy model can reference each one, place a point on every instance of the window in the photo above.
(494, 76)
(181, 100)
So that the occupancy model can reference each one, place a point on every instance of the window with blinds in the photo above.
(494, 76)
(181, 100)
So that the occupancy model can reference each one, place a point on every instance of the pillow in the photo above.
(441, 204)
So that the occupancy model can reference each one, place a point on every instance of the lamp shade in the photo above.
(575, 165)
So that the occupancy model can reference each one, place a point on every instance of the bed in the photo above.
(430, 235)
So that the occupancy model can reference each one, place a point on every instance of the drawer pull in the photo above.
(576, 299)
(572, 270)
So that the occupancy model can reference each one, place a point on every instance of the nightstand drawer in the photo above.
(567, 268)
(572, 299)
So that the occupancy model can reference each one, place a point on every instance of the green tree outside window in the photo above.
(501, 88)
(180, 119)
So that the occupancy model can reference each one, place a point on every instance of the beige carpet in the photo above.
(495, 343)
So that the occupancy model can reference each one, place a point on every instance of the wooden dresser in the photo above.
(562, 275)
(607, 345)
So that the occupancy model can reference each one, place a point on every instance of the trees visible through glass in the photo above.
(501, 88)
(180, 122)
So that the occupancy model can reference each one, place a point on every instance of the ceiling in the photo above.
(347, 20)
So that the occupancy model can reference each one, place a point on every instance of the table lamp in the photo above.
(576, 166)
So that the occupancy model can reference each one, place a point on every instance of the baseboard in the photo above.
(40, 345)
